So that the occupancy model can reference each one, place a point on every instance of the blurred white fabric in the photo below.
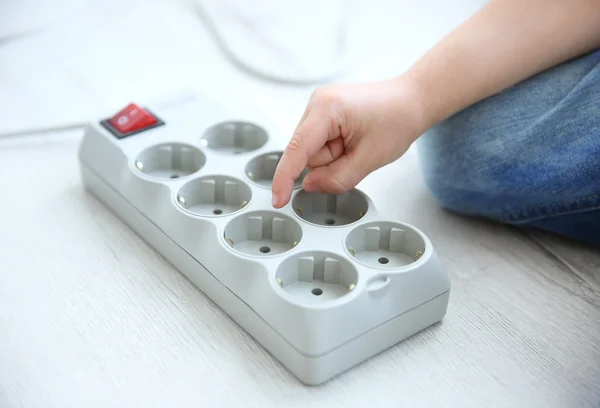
(103, 53)
(22, 17)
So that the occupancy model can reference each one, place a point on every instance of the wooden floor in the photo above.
(91, 316)
(88, 310)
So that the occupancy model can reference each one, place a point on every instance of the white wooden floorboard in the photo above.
(92, 316)
(583, 261)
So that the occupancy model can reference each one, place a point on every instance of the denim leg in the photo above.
(528, 156)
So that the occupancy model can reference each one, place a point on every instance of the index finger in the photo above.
(309, 137)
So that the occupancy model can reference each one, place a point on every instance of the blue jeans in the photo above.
(528, 156)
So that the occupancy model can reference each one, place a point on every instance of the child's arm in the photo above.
(504, 43)
(348, 131)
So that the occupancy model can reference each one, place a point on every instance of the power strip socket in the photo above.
(323, 284)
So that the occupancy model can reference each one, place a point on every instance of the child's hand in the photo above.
(347, 132)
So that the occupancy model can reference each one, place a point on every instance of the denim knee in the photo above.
(528, 153)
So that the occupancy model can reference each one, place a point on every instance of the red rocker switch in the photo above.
(131, 120)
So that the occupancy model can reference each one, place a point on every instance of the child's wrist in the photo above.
(413, 105)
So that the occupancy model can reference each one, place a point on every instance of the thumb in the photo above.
(340, 176)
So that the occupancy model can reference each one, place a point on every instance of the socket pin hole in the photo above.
(316, 276)
(260, 233)
(386, 244)
(234, 137)
(261, 169)
(331, 210)
(170, 160)
(214, 195)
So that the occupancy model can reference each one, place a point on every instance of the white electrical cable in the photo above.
(290, 42)
(45, 130)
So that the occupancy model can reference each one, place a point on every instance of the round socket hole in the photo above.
(316, 276)
(170, 161)
(385, 244)
(330, 209)
(261, 233)
(214, 195)
(261, 169)
(234, 137)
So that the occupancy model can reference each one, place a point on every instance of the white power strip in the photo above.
(323, 284)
